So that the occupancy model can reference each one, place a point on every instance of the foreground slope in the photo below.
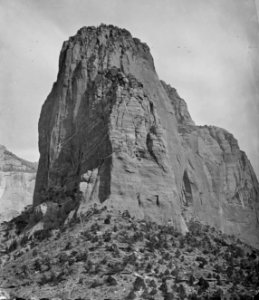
(110, 255)
(17, 180)
(113, 130)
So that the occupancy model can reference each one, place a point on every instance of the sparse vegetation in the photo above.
(138, 259)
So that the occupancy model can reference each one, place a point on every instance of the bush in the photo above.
(126, 214)
(37, 265)
(82, 256)
(139, 283)
(203, 283)
(95, 227)
(107, 236)
(163, 287)
(42, 234)
(152, 283)
(202, 261)
(95, 284)
(47, 277)
(111, 281)
(107, 220)
(191, 280)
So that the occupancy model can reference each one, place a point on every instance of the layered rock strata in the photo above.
(111, 128)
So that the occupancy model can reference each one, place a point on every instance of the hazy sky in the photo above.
(206, 49)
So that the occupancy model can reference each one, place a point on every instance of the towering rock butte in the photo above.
(17, 180)
(111, 128)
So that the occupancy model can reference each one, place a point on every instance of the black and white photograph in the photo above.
(129, 149)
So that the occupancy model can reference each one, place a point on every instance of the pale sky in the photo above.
(206, 49)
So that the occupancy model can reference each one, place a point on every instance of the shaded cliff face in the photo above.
(17, 180)
(112, 129)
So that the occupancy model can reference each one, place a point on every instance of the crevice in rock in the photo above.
(157, 201)
(150, 147)
(187, 189)
(139, 200)
(105, 179)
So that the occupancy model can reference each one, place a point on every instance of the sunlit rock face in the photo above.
(111, 128)
(17, 180)
(219, 186)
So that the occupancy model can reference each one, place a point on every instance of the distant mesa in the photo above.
(17, 181)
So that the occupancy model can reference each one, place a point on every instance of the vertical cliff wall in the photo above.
(219, 186)
(112, 129)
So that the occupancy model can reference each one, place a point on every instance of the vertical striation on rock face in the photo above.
(17, 179)
(219, 186)
(111, 128)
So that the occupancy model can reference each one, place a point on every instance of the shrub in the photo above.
(88, 266)
(82, 256)
(203, 283)
(126, 214)
(181, 291)
(37, 265)
(202, 261)
(47, 277)
(42, 234)
(170, 265)
(107, 236)
(95, 284)
(163, 287)
(148, 268)
(168, 296)
(152, 283)
(191, 280)
(95, 227)
(94, 239)
(153, 291)
(111, 281)
(107, 220)
(139, 283)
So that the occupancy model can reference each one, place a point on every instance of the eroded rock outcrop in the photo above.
(17, 180)
(112, 129)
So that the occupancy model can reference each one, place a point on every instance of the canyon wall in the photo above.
(17, 180)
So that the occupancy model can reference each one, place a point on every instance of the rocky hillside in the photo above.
(17, 180)
(112, 129)
(106, 255)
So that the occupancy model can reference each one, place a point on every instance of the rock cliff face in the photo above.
(111, 128)
(219, 186)
(17, 180)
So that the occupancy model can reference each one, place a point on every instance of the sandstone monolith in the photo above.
(112, 129)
